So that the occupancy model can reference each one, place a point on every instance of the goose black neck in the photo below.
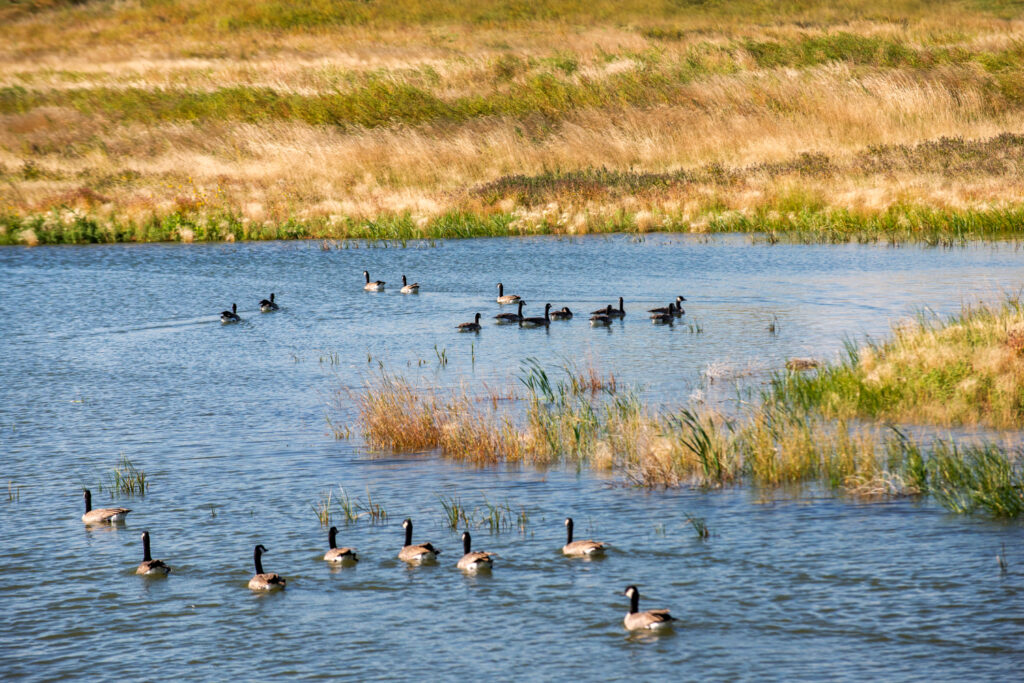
(466, 543)
(621, 309)
(234, 308)
(408, 533)
(404, 282)
(366, 273)
(501, 289)
(634, 602)
(271, 297)
(568, 532)
(520, 308)
(547, 310)
(331, 538)
(88, 501)
(256, 559)
(146, 557)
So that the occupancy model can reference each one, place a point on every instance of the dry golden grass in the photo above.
(723, 107)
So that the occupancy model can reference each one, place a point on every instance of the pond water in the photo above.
(118, 350)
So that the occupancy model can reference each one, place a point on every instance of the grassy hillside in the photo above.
(193, 119)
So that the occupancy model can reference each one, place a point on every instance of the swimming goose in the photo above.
(424, 552)
(651, 619)
(471, 561)
(669, 308)
(511, 317)
(580, 548)
(414, 288)
(268, 305)
(375, 286)
(230, 316)
(336, 554)
(663, 318)
(611, 312)
(504, 298)
(602, 317)
(262, 581)
(470, 327)
(538, 322)
(149, 566)
(102, 515)
(563, 314)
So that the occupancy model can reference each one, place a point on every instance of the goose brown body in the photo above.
(603, 317)
(422, 552)
(338, 555)
(149, 566)
(414, 288)
(636, 620)
(511, 317)
(375, 286)
(470, 327)
(264, 581)
(473, 561)
(102, 515)
(538, 321)
(562, 314)
(580, 548)
(504, 298)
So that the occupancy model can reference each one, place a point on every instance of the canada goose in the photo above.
(602, 317)
(414, 288)
(231, 316)
(424, 552)
(471, 561)
(511, 317)
(102, 515)
(149, 566)
(611, 312)
(470, 327)
(263, 582)
(538, 321)
(669, 308)
(504, 298)
(268, 305)
(563, 314)
(651, 619)
(580, 548)
(375, 286)
(663, 318)
(336, 554)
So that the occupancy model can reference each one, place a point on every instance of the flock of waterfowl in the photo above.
(664, 315)
(412, 553)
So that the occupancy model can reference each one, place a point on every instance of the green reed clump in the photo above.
(373, 510)
(455, 513)
(967, 478)
(700, 527)
(13, 492)
(967, 369)
(127, 480)
(322, 508)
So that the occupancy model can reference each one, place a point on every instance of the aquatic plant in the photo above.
(967, 369)
(322, 508)
(126, 479)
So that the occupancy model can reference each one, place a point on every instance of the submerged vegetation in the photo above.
(188, 120)
(791, 437)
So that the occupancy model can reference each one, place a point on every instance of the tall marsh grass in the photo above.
(126, 479)
(783, 441)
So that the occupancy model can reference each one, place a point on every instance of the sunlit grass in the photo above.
(770, 445)
(197, 121)
(965, 370)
